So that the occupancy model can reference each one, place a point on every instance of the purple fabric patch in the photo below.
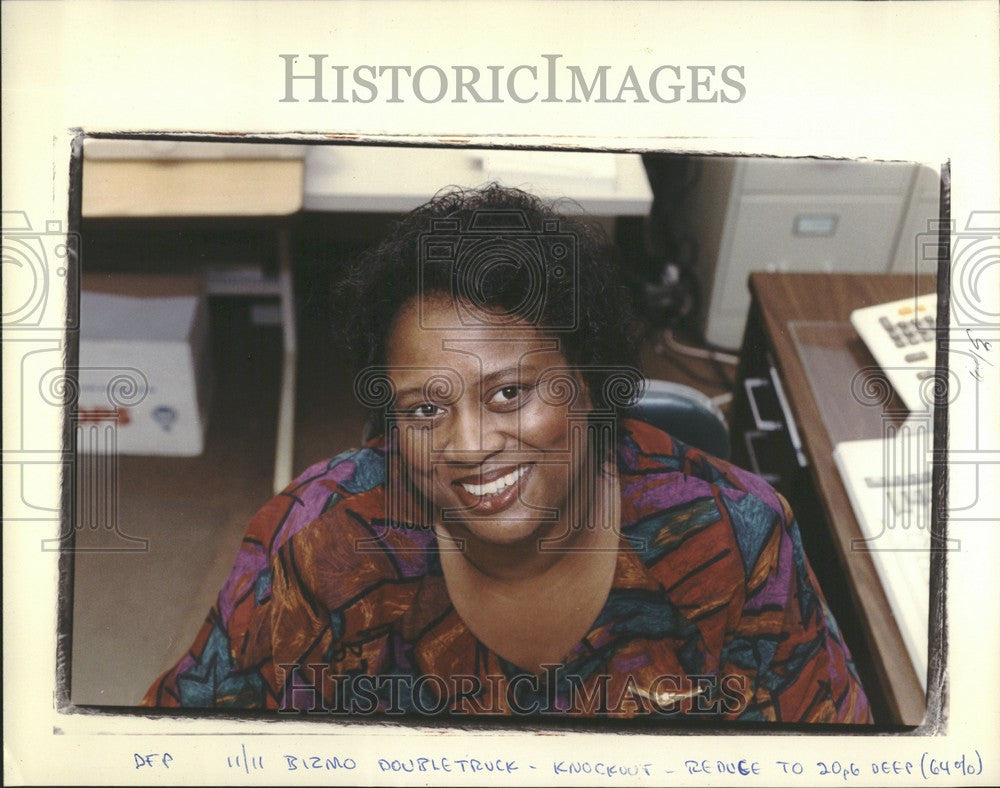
(777, 590)
(412, 557)
(627, 456)
(631, 663)
(834, 663)
(309, 496)
(315, 494)
(342, 471)
(400, 648)
(187, 662)
(251, 560)
(652, 493)
(757, 486)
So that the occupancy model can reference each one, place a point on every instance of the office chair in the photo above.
(684, 412)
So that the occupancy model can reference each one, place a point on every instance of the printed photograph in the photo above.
(539, 437)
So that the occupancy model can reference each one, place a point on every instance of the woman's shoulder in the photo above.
(644, 450)
(339, 518)
(348, 474)
(356, 476)
(683, 500)
(327, 538)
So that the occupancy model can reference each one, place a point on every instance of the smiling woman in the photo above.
(507, 543)
(500, 461)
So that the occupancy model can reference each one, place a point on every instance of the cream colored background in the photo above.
(901, 81)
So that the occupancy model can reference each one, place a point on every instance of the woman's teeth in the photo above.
(497, 485)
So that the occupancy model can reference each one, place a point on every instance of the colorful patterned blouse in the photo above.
(332, 608)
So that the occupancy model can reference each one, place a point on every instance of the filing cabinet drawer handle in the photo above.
(786, 412)
(750, 385)
(749, 437)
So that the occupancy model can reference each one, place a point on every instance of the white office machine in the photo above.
(888, 481)
(900, 335)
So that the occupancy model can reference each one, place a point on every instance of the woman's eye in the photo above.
(424, 410)
(507, 395)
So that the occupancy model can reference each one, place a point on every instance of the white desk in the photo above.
(354, 178)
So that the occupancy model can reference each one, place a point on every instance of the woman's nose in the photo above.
(472, 433)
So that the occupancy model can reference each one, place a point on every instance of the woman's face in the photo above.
(487, 429)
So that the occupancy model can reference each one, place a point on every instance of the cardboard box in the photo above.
(144, 372)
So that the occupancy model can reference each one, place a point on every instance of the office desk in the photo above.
(782, 305)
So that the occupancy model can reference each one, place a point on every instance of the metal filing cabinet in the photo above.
(800, 215)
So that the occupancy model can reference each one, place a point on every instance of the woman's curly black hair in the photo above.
(500, 254)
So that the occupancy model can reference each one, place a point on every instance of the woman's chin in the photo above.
(500, 531)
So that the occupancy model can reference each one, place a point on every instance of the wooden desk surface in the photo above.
(118, 188)
(782, 298)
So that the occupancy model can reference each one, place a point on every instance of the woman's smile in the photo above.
(493, 491)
